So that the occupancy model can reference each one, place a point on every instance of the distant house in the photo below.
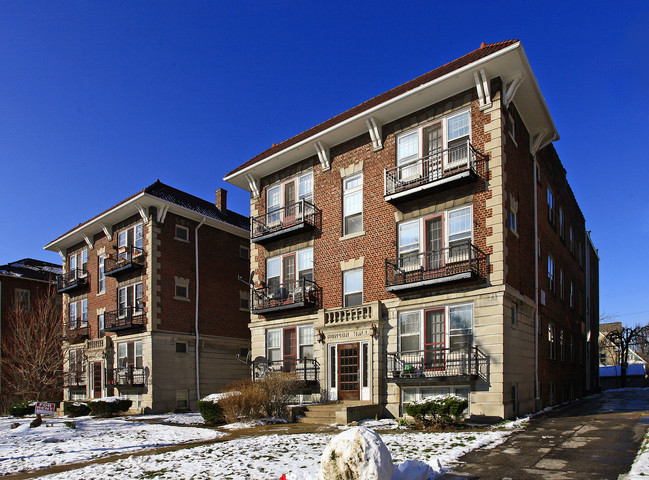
(152, 306)
(21, 282)
(609, 361)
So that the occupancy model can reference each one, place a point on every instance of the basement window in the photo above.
(182, 234)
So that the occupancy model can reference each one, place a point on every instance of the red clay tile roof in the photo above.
(474, 56)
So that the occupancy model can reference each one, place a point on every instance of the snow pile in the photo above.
(109, 399)
(215, 397)
(357, 453)
(640, 467)
(413, 470)
(438, 398)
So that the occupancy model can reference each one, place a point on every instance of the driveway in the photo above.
(595, 438)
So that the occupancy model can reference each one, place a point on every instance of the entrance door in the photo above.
(434, 340)
(288, 277)
(289, 201)
(433, 149)
(290, 349)
(434, 252)
(96, 380)
(348, 371)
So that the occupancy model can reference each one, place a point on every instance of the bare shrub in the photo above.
(280, 388)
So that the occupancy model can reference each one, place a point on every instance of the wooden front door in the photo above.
(96, 380)
(348, 371)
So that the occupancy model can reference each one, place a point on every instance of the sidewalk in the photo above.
(596, 438)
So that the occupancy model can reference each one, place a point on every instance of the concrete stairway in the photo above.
(321, 414)
(327, 414)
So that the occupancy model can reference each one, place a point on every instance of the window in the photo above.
(244, 300)
(182, 288)
(281, 271)
(181, 399)
(129, 354)
(182, 234)
(511, 127)
(562, 294)
(561, 225)
(79, 263)
(181, 347)
(512, 221)
(22, 300)
(552, 343)
(426, 329)
(550, 273)
(461, 326)
(100, 325)
(131, 237)
(101, 277)
(353, 287)
(305, 187)
(353, 204)
(75, 362)
(409, 328)
(274, 345)
(78, 314)
(514, 314)
(129, 299)
(562, 346)
(413, 394)
(244, 252)
(581, 255)
(459, 233)
(572, 294)
(550, 206)
(284, 195)
(305, 341)
(571, 241)
(282, 344)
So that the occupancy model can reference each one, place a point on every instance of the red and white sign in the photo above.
(44, 408)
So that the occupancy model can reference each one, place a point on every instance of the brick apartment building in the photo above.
(21, 283)
(426, 241)
(152, 306)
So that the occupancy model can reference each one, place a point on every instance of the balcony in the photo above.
(125, 377)
(72, 280)
(295, 294)
(448, 168)
(74, 378)
(124, 318)
(104, 343)
(126, 259)
(460, 262)
(76, 332)
(298, 217)
(306, 371)
(367, 312)
(434, 365)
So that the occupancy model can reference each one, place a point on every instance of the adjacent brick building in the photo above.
(152, 306)
(21, 283)
(426, 241)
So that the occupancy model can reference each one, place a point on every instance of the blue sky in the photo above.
(98, 99)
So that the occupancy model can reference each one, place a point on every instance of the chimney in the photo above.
(221, 199)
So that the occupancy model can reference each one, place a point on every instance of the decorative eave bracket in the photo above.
(375, 133)
(323, 155)
(162, 214)
(143, 214)
(88, 241)
(253, 183)
(511, 88)
(482, 86)
(108, 231)
(542, 139)
(61, 254)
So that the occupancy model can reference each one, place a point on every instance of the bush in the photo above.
(279, 389)
(437, 410)
(75, 409)
(21, 409)
(109, 408)
(211, 411)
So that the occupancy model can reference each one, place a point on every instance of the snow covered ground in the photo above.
(54, 443)
(270, 456)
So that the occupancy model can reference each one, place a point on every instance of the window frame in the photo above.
(137, 346)
(349, 192)
(552, 342)
(101, 274)
(279, 332)
(349, 293)
(551, 276)
(80, 258)
(180, 238)
(80, 308)
(299, 272)
(551, 210)
(138, 307)
(22, 299)
(420, 315)
(123, 234)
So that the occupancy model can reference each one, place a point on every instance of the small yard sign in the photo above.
(44, 408)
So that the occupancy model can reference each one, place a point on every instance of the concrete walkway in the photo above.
(596, 438)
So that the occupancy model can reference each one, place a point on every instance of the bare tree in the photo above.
(623, 338)
(32, 357)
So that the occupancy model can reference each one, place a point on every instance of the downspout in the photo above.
(198, 377)
(537, 397)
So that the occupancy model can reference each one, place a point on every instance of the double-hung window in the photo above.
(572, 294)
(79, 264)
(353, 204)
(460, 326)
(129, 355)
(428, 330)
(562, 227)
(100, 325)
(282, 277)
(130, 237)
(101, 277)
(571, 240)
(409, 331)
(284, 201)
(550, 273)
(129, 300)
(289, 344)
(552, 342)
(305, 341)
(550, 198)
(353, 287)
(459, 234)
(459, 127)
(78, 313)
(409, 245)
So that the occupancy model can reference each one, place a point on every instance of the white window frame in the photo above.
(303, 332)
(551, 278)
(349, 292)
(275, 197)
(101, 326)
(420, 392)
(122, 237)
(80, 310)
(137, 306)
(550, 201)
(184, 236)
(349, 192)
(301, 269)
(79, 261)
(181, 288)
(421, 316)
(182, 396)
(101, 274)
(122, 354)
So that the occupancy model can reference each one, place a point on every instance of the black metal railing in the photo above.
(124, 318)
(293, 294)
(419, 269)
(74, 378)
(125, 377)
(305, 369)
(125, 258)
(444, 164)
(293, 217)
(434, 363)
(75, 278)
(75, 332)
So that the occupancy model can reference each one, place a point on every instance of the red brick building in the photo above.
(152, 306)
(21, 283)
(426, 241)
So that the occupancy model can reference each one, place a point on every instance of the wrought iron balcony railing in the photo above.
(294, 218)
(287, 295)
(434, 363)
(69, 281)
(456, 163)
(124, 260)
(124, 318)
(74, 378)
(75, 332)
(462, 261)
(125, 377)
(305, 369)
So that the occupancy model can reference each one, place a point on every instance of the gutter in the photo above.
(198, 378)
(537, 397)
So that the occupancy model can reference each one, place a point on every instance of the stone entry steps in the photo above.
(341, 413)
